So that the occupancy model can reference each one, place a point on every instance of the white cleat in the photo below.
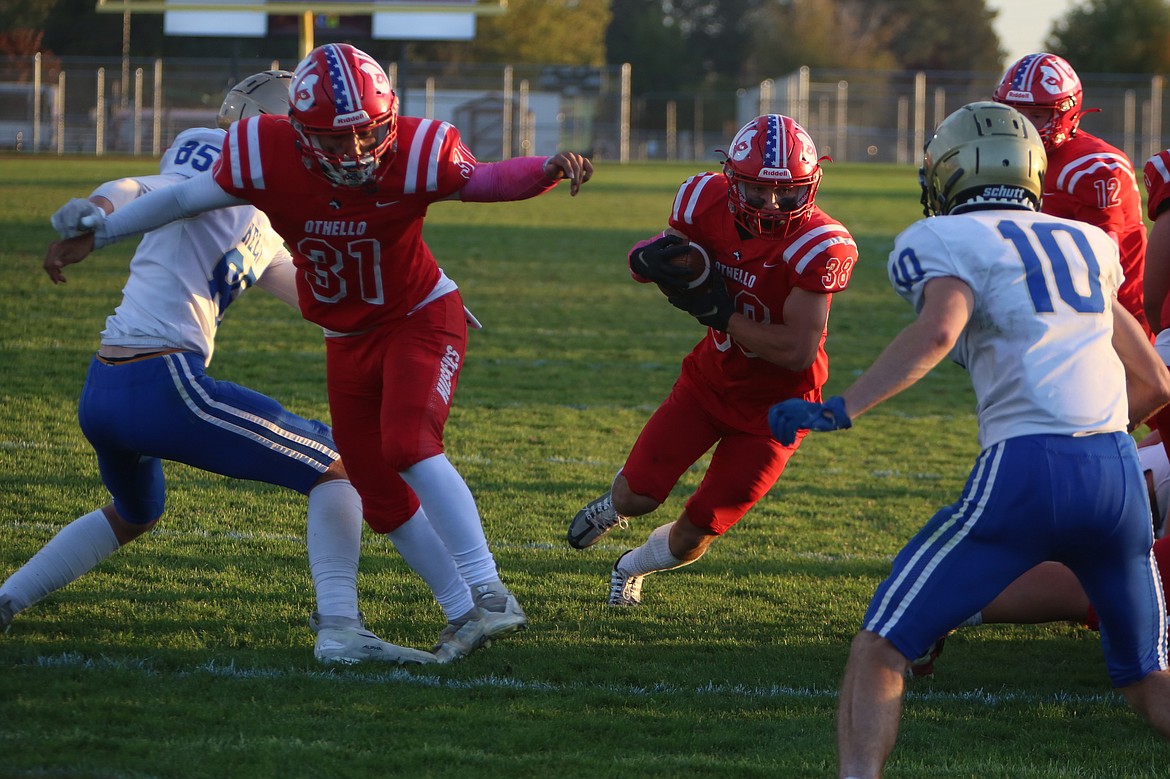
(345, 641)
(461, 637)
(625, 589)
(499, 610)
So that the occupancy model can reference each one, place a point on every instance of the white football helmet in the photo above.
(261, 93)
(985, 155)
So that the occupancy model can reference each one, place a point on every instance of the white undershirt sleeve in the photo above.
(163, 206)
(280, 279)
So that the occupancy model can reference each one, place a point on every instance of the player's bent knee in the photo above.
(876, 649)
(629, 503)
(124, 530)
(335, 471)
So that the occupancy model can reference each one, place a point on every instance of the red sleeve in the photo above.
(697, 196)
(437, 162)
(1157, 176)
(823, 255)
(248, 162)
(1098, 184)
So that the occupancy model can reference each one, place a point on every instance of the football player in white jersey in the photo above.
(148, 399)
(1027, 303)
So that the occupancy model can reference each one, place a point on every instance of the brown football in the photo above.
(698, 265)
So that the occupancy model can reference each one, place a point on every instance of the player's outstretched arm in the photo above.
(947, 306)
(520, 178)
(569, 165)
(162, 206)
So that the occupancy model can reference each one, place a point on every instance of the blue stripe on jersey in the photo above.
(935, 549)
(317, 452)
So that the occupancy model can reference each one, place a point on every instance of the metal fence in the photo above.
(127, 106)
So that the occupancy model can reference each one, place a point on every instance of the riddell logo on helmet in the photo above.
(776, 174)
(1019, 94)
(347, 120)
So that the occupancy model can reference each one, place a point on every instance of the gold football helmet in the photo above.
(985, 155)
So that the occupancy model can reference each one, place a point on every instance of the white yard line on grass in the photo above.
(423, 679)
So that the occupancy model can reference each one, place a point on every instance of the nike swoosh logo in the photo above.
(380, 204)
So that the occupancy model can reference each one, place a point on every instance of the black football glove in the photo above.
(710, 303)
(652, 261)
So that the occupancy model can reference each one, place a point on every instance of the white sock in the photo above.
(74, 551)
(451, 509)
(654, 555)
(423, 550)
(334, 539)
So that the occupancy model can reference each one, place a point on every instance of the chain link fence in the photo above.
(70, 106)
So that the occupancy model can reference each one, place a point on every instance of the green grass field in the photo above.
(187, 654)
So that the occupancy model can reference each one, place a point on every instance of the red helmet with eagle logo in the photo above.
(344, 108)
(774, 173)
(1044, 81)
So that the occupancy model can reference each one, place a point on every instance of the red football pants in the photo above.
(390, 392)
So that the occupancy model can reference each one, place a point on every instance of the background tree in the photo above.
(550, 32)
(22, 24)
(819, 34)
(718, 34)
(656, 46)
(1115, 36)
(556, 32)
(934, 35)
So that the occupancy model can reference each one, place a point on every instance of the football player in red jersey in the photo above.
(346, 182)
(777, 260)
(1087, 179)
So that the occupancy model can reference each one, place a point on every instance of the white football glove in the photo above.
(77, 217)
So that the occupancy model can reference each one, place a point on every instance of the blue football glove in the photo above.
(795, 414)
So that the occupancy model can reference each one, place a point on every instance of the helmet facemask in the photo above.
(351, 157)
(767, 209)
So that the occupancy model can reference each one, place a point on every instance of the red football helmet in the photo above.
(1044, 81)
(772, 158)
(345, 110)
